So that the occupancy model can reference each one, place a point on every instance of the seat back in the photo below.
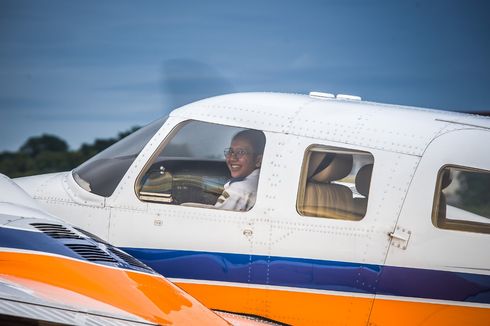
(363, 182)
(327, 200)
(323, 198)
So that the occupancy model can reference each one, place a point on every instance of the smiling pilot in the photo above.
(243, 158)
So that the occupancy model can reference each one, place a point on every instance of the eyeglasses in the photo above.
(238, 153)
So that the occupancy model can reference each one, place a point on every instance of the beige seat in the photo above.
(363, 182)
(323, 198)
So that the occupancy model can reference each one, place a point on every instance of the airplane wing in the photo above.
(22, 302)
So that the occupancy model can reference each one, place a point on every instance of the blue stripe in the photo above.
(317, 274)
(37, 241)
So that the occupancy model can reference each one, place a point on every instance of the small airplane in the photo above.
(364, 213)
(53, 273)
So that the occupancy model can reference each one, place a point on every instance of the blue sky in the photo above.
(88, 69)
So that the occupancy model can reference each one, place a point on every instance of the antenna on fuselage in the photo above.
(344, 97)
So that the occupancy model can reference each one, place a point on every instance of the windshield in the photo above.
(103, 172)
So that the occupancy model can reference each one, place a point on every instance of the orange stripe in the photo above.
(300, 308)
(150, 297)
(388, 312)
(296, 308)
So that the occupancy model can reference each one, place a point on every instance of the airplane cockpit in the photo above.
(189, 167)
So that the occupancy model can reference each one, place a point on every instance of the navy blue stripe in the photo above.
(37, 241)
(317, 274)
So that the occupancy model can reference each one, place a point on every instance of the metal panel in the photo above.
(429, 246)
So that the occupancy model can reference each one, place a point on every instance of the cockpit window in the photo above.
(335, 183)
(462, 199)
(102, 173)
(205, 165)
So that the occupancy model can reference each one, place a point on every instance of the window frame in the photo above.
(450, 224)
(322, 148)
(161, 147)
(137, 184)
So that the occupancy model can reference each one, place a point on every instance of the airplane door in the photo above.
(438, 267)
(324, 261)
(174, 227)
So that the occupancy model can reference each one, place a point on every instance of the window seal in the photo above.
(455, 225)
(304, 176)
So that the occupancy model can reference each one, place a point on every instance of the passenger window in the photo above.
(462, 199)
(335, 183)
(205, 165)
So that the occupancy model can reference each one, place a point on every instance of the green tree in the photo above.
(36, 145)
(89, 150)
(16, 164)
(49, 153)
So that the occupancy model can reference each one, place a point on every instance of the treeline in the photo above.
(49, 153)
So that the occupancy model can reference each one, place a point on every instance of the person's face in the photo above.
(243, 166)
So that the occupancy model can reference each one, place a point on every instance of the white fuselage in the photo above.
(392, 262)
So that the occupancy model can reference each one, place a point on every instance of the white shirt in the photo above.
(239, 195)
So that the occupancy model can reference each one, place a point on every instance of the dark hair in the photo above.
(255, 137)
